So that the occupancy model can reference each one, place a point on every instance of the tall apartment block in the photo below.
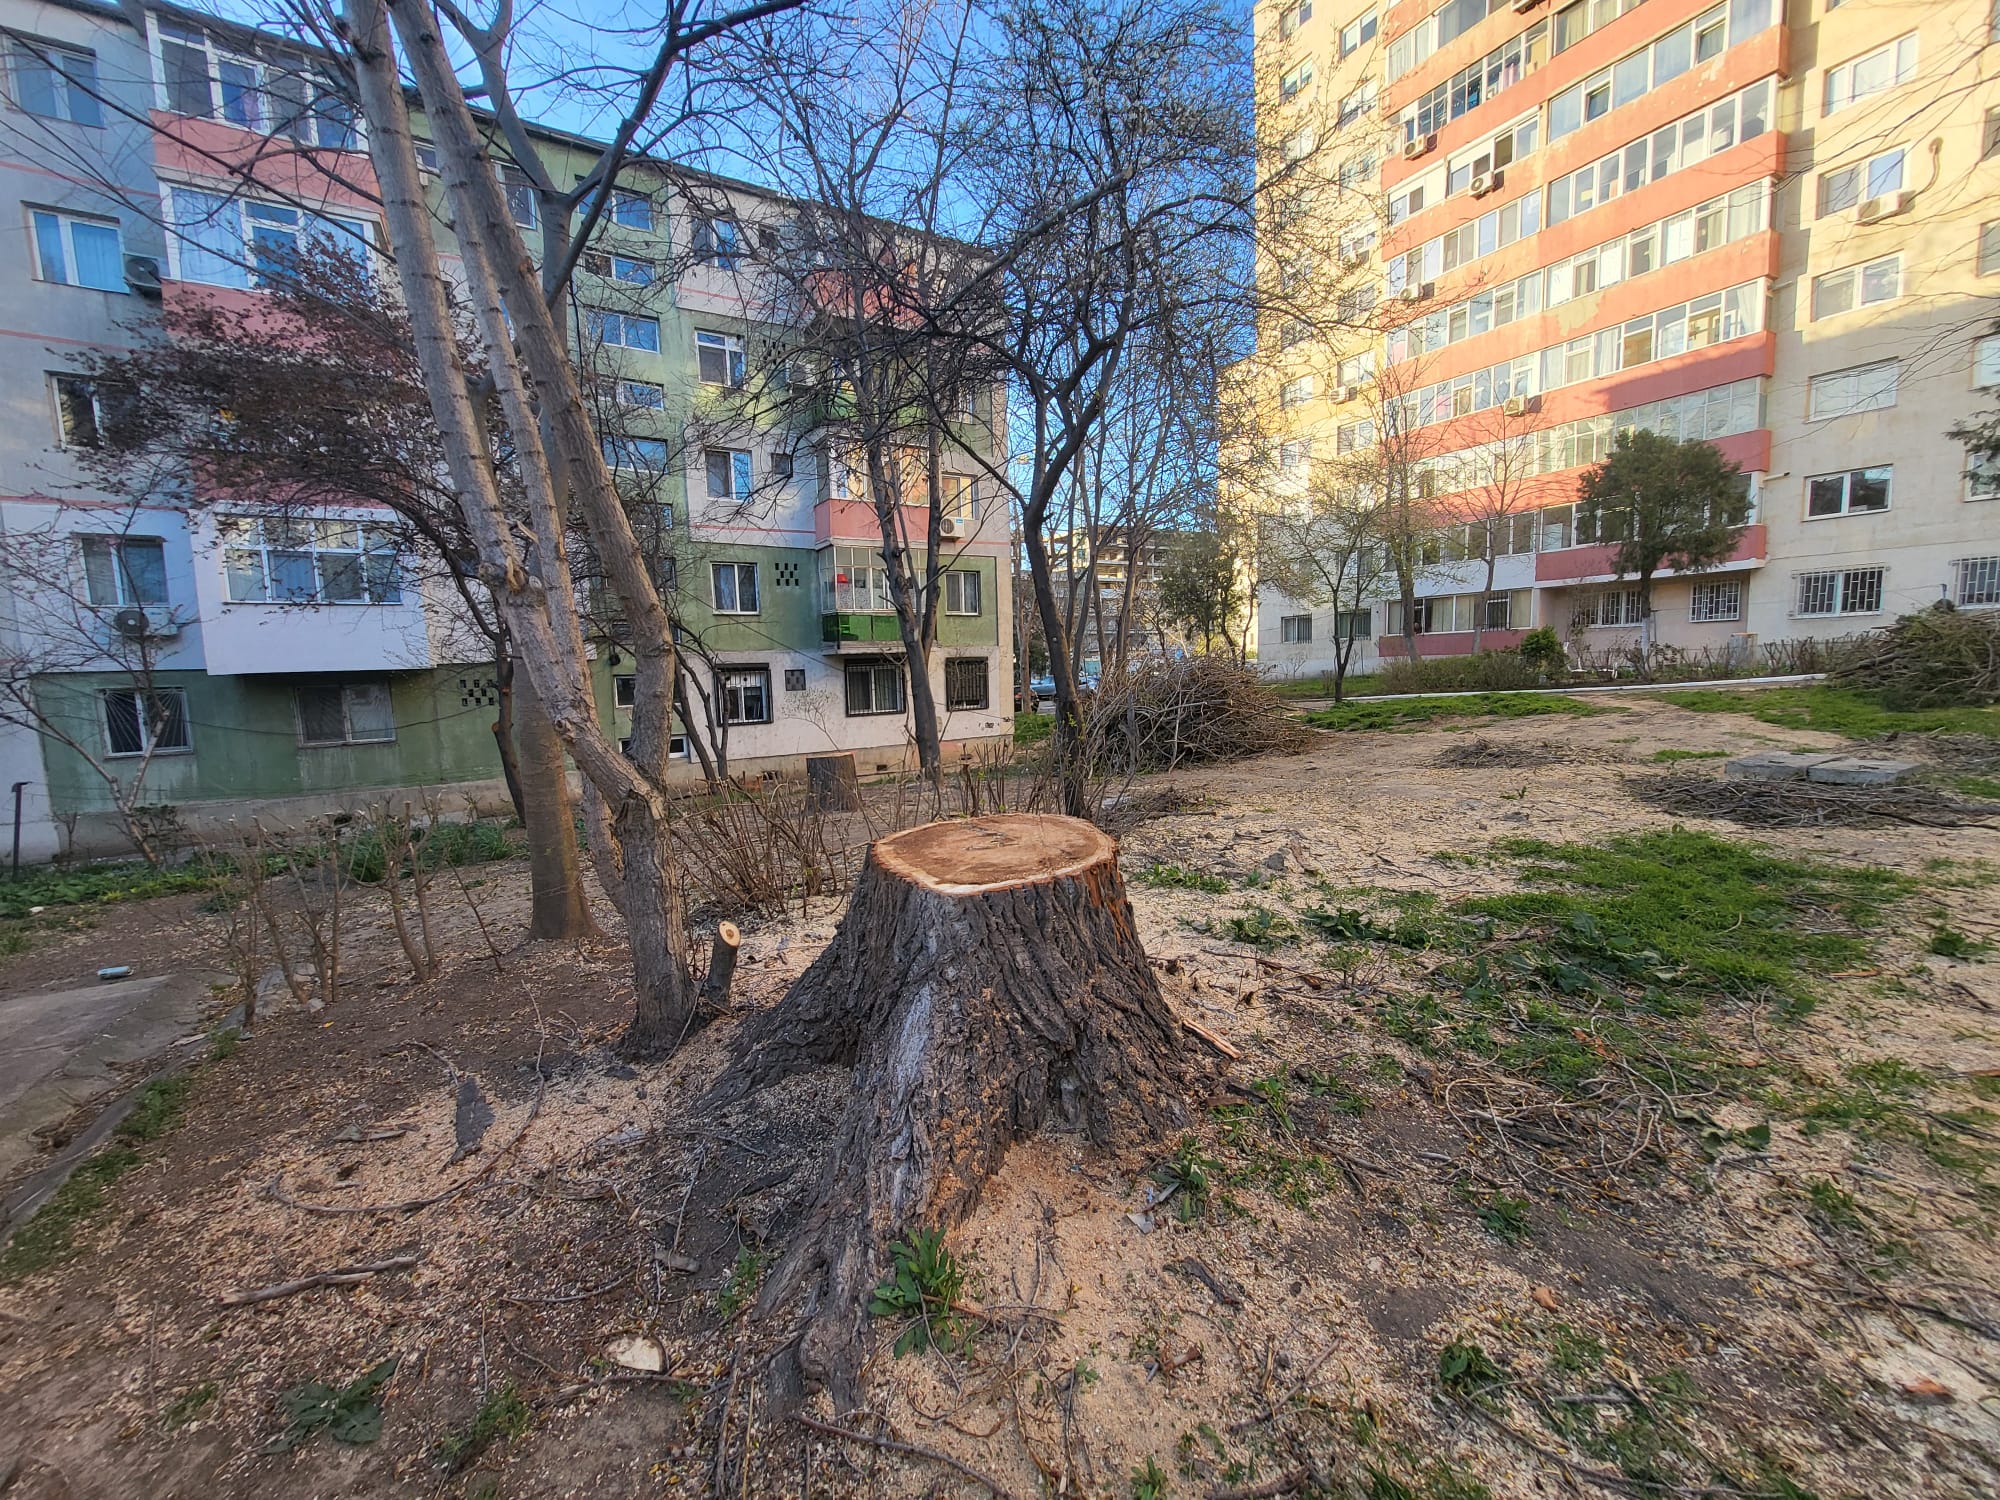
(1769, 228)
(306, 663)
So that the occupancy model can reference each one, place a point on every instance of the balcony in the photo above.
(868, 632)
(1591, 563)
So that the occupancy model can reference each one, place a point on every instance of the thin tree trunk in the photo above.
(909, 623)
(555, 868)
(1072, 770)
(503, 731)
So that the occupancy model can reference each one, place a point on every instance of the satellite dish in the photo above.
(130, 623)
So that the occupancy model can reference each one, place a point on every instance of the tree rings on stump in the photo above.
(986, 980)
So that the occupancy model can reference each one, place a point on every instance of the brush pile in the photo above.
(1942, 658)
(1807, 804)
(1480, 753)
(1198, 710)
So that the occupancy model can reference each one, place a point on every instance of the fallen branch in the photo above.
(343, 1276)
(896, 1445)
(1196, 1029)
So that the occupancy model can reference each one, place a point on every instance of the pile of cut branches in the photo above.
(1806, 804)
(1480, 752)
(1942, 658)
(1198, 710)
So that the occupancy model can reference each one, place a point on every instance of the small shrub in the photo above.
(1189, 1171)
(1032, 729)
(1949, 942)
(1505, 1218)
(1489, 671)
(1542, 649)
(1149, 1481)
(1260, 928)
(740, 1290)
(924, 1285)
(504, 1414)
(351, 1413)
(1465, 1370)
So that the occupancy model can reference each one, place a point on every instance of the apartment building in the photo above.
(1762, 227)
(292, 664)
(1108, 583)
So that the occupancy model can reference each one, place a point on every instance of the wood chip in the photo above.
(1195, 1028)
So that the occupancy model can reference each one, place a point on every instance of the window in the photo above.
(795, 679)
(1295, 455)
(853, 580)
(1989, 139)
(1296, 392)
(1854, 492)
(124, 570)
(1357, 34)
(1640, 72)
(519, 189)
(1672, 148)
(1295, 79)
(1356, 104)
(961, 592)
(1976, 580)
(1857, 286)
(623, 330)
(729, 477)
(87, 412)
(1293, 17)
(718, 242)
(1847, 393)
(625, 691)
(54, 82)
(1299, 144)
(633, 210)
(1295, 629)
(874, 689)
(719, 358)
(965, 683)
(345, 713)
(1608, 607)
(70, 251)
(277, 95)
(1986, 362)
(1846, 591)
(958, 496)
(1871, 73)
(746, 695)
(1982, 477)
(735, 588)
(624, 268)
(1709, 603)
(1353, 437)
(225, 241)
(1846, 187)
(622, 451)
(640, 393)
(282, 560)
(143, 723)
(1353, 624)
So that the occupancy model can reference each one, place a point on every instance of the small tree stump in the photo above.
(832, 784)
(986, 980)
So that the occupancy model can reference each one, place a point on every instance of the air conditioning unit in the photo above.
(1521, 406)
(1417, 292)
(1419, 147)
(1485, 182)
(137, 624)
(1522, 7)
(1888, 206)
(142, 275)
(952, 528)
(1348, 393)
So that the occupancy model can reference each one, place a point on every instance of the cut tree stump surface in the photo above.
(977, 855)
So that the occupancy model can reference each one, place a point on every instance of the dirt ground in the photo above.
(1297, 1338)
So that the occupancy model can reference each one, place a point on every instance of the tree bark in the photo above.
(555, 868)
(975, 1003)
(503, 732)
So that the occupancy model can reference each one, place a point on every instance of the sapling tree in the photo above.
(1661, 503)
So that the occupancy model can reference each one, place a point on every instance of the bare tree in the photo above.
(1491, 487)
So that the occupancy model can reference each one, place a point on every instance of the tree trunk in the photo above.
(503, 732)
(555, 868)
(975, 1004)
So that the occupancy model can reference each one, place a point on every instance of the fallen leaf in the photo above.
(1927, 1389)
(1544, 1298)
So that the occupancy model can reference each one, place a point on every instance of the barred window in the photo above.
(1719, 600)
(1978, 580)
(965, 683)
(1844, 591)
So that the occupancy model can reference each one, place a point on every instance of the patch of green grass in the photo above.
(1668, 757)
(1833, 1205)
(1704, 915)
(1190, 1173)
(1574, 1351)
(224, 1044)
(1429, 1479)
(1467, 1371)
(1260, 927)
(13, 941)
(1946, 874)
(740, 1289)
(1149, 1481)
(924, 1285)
(50, 1236)
(1032, 729)
(1401, 712)
(188, 1406)
(1505, 1218)
(1174, 878)
(101, 884)
(1948, 942)
(1844, 711)
(158, 1109)
(1986, 788)
(1294, 688)
(504, 1415)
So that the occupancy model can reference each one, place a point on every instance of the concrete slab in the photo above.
(1777, 765)
(62, 1048)
(1858, 770)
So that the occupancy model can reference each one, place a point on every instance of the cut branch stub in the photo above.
(987, 980)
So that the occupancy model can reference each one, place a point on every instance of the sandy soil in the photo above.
(1290, 1341)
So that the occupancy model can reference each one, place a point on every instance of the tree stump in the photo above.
(986, 980)
(832, 784)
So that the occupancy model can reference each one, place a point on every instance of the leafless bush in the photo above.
(1197, 710)
(1944, 657)
(758, 847)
